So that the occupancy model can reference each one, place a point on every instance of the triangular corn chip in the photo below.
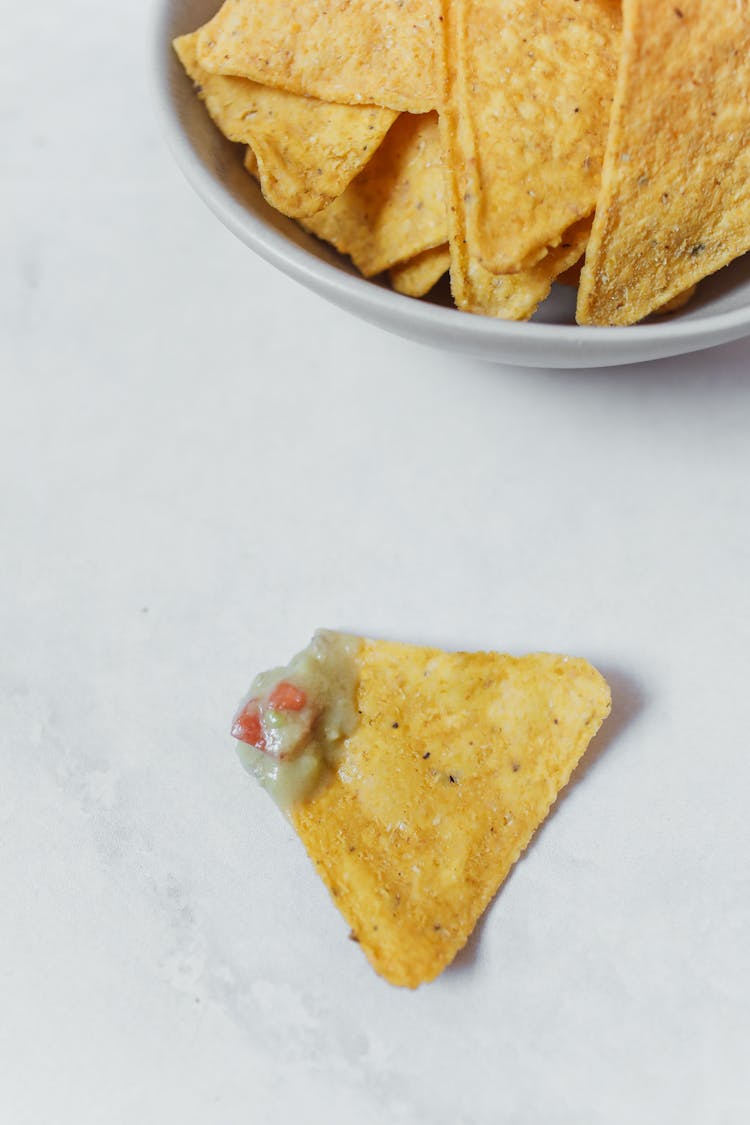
(307, 151)
(396, 207)
(454, 763)
(517, 296)
(513, 296)
(529, 86)
(678, 302)
(384, 52)
(675, 199)
(420, 274)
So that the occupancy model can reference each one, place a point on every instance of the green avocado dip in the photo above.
(292, 723)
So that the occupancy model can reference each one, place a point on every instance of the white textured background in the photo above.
(200, 463)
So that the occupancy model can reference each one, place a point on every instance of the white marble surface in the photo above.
(199, 463)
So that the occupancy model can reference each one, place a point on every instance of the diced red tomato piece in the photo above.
(287, 697)
(247, 726)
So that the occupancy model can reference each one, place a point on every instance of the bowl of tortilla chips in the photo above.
(562, 183)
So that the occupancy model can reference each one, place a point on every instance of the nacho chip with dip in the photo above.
(382, 52)
(675, 198)
(307, 151)
(415, 778)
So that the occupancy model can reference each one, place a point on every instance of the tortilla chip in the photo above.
(513, 296)
(572, 277)
(677, 302)
(395, 208)
(529, 88)
(417, 277)
(517, 296)
(307, 151)
(383, 52)
(675, 199)
(455, 763)
(251, 163)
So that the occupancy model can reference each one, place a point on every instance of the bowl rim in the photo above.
(354, 291)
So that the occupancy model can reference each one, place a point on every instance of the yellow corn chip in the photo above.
(517, 296)
(455, 763)
(677, 302)
(384, 52)
(307, 151)
(395, 208)
(528, 94)
(572, 277)
(513, 296)
(675, 199)
(417, 277)
(414, 277)
(251, 163)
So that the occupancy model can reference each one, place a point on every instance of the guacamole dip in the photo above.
(292, 723)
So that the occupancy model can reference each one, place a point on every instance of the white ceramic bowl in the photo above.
(719, 313)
